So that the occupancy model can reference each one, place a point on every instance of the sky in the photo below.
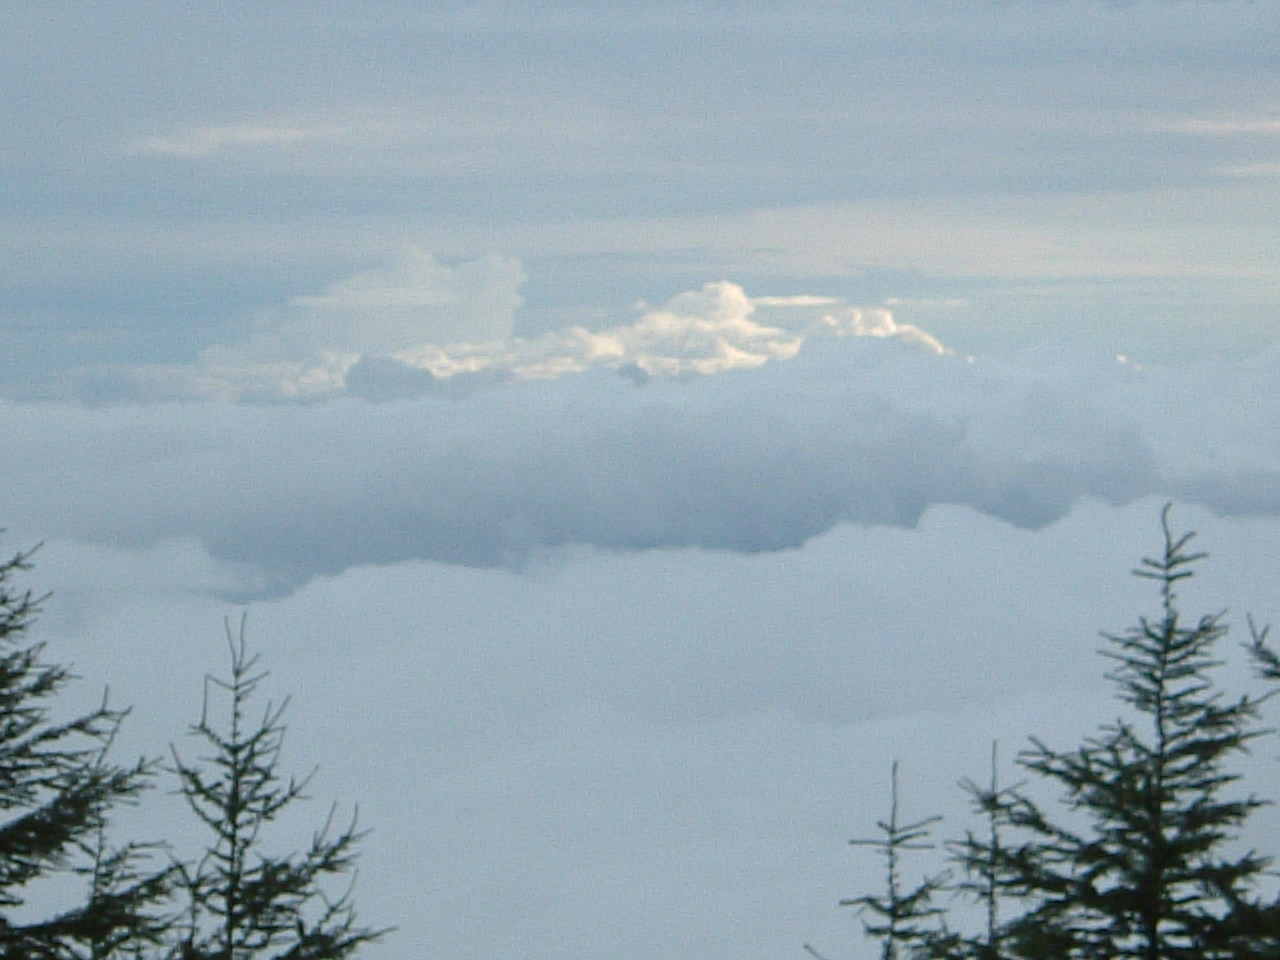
(629, 428)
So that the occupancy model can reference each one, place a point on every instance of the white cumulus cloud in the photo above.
(697, 333)
(418, 326)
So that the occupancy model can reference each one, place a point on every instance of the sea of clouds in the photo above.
(614, 633)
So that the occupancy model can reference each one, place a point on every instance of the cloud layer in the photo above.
(852, 430)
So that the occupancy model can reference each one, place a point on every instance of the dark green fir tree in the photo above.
(57, 790)
(904, 917)
(985, 875)
(1143, 860)
(241, 901)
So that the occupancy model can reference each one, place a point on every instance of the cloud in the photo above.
(752, 460)
(802, 300)
(1222, 126)
(383, 379)
(206, 140)
(852, 322)
(428, 134)
(305, 349)
(414, 300)
(697, 333)
(1269, 170)
(421, 327)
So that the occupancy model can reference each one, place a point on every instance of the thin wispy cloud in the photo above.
(206, 141)
(1266, 170)
(1222, 126)
(460, 135)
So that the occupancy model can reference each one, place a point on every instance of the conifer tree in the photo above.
(57, 788)
(903, 920)
(986, 874)
(1142, 864)
(243, 903)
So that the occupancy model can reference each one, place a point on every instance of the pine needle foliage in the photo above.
(57, 789)
(1142, 864)
(242, 903)
(126, 892)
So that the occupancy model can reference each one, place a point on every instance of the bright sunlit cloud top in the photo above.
(416, 324)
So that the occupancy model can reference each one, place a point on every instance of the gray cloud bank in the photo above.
(857, 430)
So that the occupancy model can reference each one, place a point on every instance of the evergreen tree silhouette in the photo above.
(57, 790)
(1142, 864)
(243, 903)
